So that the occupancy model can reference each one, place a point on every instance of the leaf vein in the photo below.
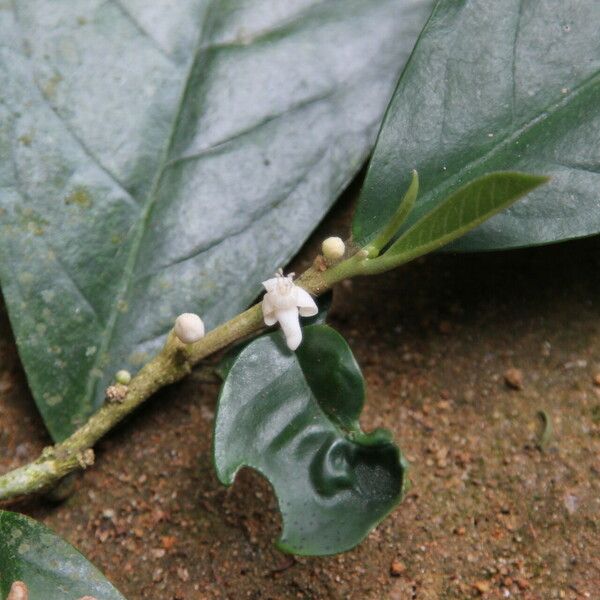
(140, 28)
(513, 67)
(240, 230)
(219, 146)
(139, 231)
(70, 130)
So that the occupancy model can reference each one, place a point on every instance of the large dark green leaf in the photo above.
(161, 157)
(51, 568)
(511, 85)
(294, 418)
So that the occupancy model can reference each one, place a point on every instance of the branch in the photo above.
(174, 362)
(485, 196)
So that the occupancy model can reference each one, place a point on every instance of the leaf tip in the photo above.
(538, 179)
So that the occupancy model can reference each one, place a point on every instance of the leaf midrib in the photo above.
(142, 222)
(164, 164)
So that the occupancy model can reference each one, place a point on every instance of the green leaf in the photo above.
(495, 86)
(393, 225)
(166, 157)
(51, 568)
(465, 209)
(294, 418)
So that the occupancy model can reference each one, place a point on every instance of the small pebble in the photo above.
(522, 584)
(514, 378)
(397, 568)
(482, 587)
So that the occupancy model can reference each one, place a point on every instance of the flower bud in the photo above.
(333, 248)
(123, 377)
(189, 328)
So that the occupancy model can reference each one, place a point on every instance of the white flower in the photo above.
(189, 328)
(285, 303)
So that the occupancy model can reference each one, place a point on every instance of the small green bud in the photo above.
(333, 249)
(123, 377)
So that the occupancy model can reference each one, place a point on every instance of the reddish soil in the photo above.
(496, 510)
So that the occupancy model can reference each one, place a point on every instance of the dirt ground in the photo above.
(497, 508)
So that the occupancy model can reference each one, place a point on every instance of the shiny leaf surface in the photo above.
(492, 86)
(294, 418)
(166, 157)
(51, 568)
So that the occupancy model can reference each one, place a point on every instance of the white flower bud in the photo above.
(333, 248)
(285, 303)
(123, 377)
(189, 328)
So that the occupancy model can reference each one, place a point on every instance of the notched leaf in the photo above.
(294, 418)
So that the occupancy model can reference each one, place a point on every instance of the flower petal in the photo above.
(268, 310)
(306, 305)
(290, 324)
(270, 284)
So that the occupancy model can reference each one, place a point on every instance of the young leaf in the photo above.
(51, 568)
(467, 208)
(393, 225)
(494, 86)
(294, 418)
(165, 158)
